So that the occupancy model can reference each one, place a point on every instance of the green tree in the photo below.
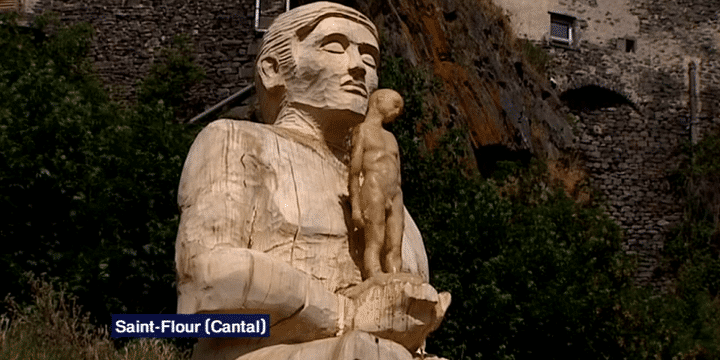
(172, 76)
(88, 185)
(532, 274)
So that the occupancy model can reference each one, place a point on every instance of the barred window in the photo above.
(10, 5)
(267, 10)
(561, 28)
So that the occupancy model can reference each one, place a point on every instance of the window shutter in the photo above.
(560, 30)
(267, 10)
(9, 5)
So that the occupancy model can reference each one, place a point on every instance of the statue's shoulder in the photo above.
(216, 151)
(225, 126)
(232, 135)
(222, 139)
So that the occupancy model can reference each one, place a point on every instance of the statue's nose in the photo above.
(356, 66)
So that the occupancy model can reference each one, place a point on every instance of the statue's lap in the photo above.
(356, 345)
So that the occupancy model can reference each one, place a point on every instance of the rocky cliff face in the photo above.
(511, 111)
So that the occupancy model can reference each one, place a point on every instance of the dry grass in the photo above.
(54, 327)
(572, 177)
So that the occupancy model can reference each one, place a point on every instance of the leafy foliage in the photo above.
(532, 273)
(693, 253)
(171, 78)
(536, 56)
(89, 190)
(89, 187)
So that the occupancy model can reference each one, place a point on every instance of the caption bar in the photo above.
(182, 325)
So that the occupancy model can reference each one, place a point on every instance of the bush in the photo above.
(171, 78)
(532, 274)
(89, 187)
(692, 254)
(537, 57)
(54, 327)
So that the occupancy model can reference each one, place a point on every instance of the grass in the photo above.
(54, 327)
(537, 57)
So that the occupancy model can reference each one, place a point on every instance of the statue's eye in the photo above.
(334, 47)
(369, 60)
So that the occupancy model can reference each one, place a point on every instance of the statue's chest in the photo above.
(310, 194)
(311, 191)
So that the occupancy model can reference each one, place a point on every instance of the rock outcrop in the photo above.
(510, 110)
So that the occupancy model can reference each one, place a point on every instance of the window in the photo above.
(562, 28)
(23, 7)
(266, 11)
(9, 5)
(629, 45)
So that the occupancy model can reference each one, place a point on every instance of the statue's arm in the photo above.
(224, 191)
(356, 162)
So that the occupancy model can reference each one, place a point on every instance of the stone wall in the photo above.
(628, 157)
(130, 34)
(600, 20)
(630, 146)
(628, 149)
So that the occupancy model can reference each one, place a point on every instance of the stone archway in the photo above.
(627, 155)
(590, 97)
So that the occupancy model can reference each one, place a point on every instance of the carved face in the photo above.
(336, 66)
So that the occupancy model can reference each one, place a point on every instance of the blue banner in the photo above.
(182, 325)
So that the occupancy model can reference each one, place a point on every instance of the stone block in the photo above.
(232, 43)
(226, 70)
(252, 49)
(247, 72)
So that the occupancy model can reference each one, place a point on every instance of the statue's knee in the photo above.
(363, 346)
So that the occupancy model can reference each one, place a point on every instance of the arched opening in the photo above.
(593, 97)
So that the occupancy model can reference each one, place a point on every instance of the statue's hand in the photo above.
(358, 219)
(397, 307)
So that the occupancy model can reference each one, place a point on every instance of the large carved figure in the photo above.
(265, 221)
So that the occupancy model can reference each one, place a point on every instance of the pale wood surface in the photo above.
(266, 225)
(264, 229)
(352, 346)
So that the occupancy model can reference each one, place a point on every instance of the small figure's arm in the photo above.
(356, 162)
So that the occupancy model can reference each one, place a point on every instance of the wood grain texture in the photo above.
(264, 229)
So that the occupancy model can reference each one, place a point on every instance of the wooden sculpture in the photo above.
(266, 225)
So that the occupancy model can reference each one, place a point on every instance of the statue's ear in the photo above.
(270, 73)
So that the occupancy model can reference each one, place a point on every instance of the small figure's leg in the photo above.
(395, 225)
(373, 203)
(373, 244)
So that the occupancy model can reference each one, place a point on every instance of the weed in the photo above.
(536, 56)
(54, 327)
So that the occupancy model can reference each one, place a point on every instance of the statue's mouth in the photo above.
(355, 88)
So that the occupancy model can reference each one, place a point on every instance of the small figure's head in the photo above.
(323, 55)
(388, 103)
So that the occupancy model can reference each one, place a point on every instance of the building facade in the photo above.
(129, 35)
(641, 78)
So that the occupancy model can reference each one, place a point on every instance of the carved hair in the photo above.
(295, 24)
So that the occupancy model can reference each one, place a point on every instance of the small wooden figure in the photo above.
(377, 205)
